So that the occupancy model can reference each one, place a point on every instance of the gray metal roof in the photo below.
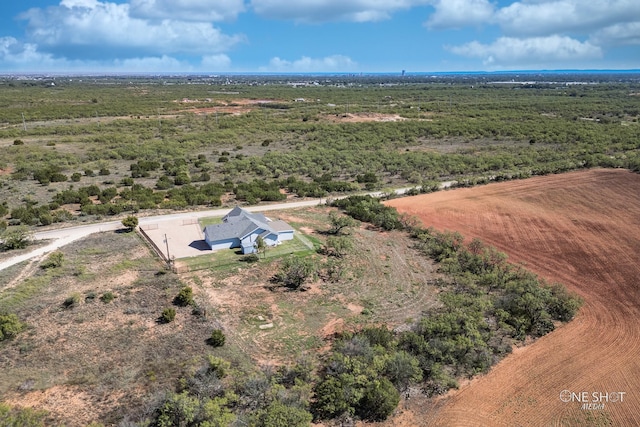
(239, 223)
(280, 226)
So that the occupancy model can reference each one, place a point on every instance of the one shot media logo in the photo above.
(592, 400)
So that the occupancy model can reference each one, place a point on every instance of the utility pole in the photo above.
(166, 240)
(24, 123)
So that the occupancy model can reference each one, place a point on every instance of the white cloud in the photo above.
(108, 26)
(332, 10)
(15, 55)
(619, 34)
(534, 53)
(545, 17)
(18, 57)
(161, 64)
(338, 63)
(460, 13)
(213, 63)
(186, 10)
(535, 17)
(78, 3)
(542, 33)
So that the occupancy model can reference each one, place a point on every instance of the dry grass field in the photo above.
(581, 229)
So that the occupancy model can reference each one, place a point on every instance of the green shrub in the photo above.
(130, 222)
(178, 410)
(10, 326)
(16, 237)
(168, 315)
(217, 338)
(217, 366)
(18, 142)
(184, 297)
(251, 258)
(21, 417)
(72, 301)
(277, 414)
(379, 336)
(379, 401)
(107, 297)
(53, 261)
(563, 305)
(334, 396)
(294, 272)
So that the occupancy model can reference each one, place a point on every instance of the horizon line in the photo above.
(400, 73)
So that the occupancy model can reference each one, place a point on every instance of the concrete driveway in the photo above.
(182, 237)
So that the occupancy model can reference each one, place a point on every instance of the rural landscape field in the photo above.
(499, 288)
(581, 229)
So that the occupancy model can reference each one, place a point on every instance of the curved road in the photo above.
(64, 236)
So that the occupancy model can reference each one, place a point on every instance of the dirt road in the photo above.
(64, 236)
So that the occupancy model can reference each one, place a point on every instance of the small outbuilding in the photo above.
(241, 229)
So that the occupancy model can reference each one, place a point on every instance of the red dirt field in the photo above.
(581, 229)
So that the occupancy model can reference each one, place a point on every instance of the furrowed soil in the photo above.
(581, 229)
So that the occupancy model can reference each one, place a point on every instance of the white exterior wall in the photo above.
(224, 244)
(285, 235)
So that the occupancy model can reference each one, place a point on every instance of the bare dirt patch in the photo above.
(235, 107)
(365, 117)
(233, 110)
(583, 230)
(332, 327)
(68, 401)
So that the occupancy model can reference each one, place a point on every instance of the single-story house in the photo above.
(240, 229)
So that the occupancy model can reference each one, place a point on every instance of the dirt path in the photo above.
(26, 272)
(581, 229)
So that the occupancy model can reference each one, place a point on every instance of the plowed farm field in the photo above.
(581, 229)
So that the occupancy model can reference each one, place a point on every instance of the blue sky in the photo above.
(300, 36)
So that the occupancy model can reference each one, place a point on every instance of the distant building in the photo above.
(240, 229)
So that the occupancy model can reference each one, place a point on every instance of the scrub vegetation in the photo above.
(114, 146)
(437, 312)
(384, 309)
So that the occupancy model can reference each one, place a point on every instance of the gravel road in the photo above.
(63, 236)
